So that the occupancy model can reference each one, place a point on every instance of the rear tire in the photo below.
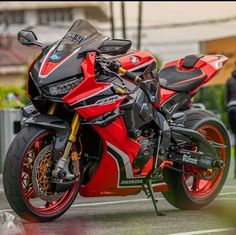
(187, 197)
(17, 179)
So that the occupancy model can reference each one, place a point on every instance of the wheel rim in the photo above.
(35, 203)
(199, 188)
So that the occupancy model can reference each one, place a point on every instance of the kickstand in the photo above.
(147, 188)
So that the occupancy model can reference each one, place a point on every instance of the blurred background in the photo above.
(169, 30)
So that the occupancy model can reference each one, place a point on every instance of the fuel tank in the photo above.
(144, 64)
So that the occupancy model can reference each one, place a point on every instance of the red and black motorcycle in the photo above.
(104, 122)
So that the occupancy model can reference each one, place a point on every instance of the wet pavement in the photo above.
(136, 215)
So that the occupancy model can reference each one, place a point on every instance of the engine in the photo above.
(144, 155)
(138, 118)
(146, 148)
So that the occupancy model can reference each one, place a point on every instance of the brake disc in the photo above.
(40, 175)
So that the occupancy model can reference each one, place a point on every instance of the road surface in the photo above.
(136, 215)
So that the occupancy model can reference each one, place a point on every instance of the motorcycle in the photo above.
(104, 122)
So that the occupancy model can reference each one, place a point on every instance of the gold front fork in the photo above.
(74, 128)
(64, 159)
(52, 108)
(74, 125)
(72, 139)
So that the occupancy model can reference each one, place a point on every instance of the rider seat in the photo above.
(174, 79)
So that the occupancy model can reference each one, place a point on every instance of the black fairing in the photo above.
(175, 102)
(115, 46)
(62, 61)
(137, 111)
(57, 125)
(70, 68)
(151, 85)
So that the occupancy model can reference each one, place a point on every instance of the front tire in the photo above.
(186, 193)
(17, 178)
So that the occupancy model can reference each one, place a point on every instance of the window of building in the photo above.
(46, 16)
(12, 17)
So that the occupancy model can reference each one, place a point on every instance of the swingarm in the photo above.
(205, 155)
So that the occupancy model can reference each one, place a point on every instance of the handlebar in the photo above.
(131, 76)
(115, 68)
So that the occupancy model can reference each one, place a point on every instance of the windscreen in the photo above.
(79, 33)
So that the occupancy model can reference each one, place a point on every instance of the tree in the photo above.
(213, 97)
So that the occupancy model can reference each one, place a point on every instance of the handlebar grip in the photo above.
(130, 75)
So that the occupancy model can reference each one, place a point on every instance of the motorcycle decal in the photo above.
(106, 100)
(45, 59)
(125, 176)
(90, 100)
(142, 66)
(187, 158)
(134, 59)
(48, 66)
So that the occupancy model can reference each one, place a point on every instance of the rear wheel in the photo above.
(188, 192)
(26, 174)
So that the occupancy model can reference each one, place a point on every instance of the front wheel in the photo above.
(187, 192)
(27, 191)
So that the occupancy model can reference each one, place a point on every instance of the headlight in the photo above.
(62, 88)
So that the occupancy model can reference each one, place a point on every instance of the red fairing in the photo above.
(165, 95)
(48, 66)
(105, 180)
(114, 137)
(209, 64)
(96, 110)
(81, 92)
(139, 58)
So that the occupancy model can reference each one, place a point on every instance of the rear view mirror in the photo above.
(28, 38)
(115, 46)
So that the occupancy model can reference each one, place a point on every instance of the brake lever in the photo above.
(106, 66)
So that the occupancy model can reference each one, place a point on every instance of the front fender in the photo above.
(55, 124)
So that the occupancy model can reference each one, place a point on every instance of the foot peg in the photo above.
(147, 188)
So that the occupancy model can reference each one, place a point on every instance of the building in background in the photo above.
(173, 29)
(223, 46)
(13, 61)
(170, 30)
(49, 20)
